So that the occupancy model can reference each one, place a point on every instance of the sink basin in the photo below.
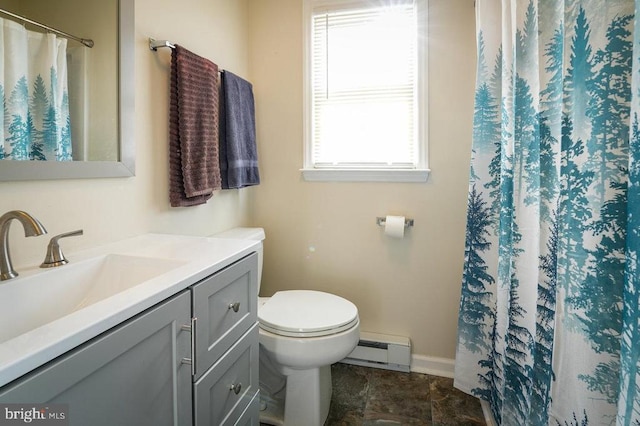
(45, 313)
(29, 302)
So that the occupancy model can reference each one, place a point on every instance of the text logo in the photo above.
(34, 414)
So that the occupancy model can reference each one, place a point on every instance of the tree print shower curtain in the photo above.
(35, 123)
(548, 330)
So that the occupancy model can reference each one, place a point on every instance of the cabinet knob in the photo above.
(236, 388)
(235, 306)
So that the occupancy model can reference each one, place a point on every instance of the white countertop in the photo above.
(199, 257)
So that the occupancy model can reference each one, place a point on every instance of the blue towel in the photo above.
(238, 153)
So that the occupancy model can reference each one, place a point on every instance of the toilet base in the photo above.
(271, 410)
(307, 399)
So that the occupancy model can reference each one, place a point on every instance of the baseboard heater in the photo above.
(381, 351)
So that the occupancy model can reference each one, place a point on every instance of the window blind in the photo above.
(364, 86)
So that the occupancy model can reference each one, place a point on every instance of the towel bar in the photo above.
(156, 44)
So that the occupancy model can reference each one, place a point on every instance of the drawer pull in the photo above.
(236, 388)
(191, 328)
(235, 306)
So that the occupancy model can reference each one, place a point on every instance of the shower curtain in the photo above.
(548, 330)
(33, 84)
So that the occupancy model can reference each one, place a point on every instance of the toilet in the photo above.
(302, 332)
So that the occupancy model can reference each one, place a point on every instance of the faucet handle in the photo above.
(54, 256)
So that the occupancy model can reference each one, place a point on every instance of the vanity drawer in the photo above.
(215, 399)
(225, 305)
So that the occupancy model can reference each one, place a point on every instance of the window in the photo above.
(365, 96)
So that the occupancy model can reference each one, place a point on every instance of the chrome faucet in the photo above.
(32, 228)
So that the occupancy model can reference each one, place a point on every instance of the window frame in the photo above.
(366, 174)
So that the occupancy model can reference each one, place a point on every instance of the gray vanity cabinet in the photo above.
(226, 339)
(136, 375)
(130, 375)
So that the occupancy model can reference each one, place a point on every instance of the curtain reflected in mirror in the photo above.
(35, 122)
(60, 97)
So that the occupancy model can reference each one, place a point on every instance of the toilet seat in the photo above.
(306, 313)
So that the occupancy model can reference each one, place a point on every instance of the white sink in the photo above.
(29, 302)
(45, 313)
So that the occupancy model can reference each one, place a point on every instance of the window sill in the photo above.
(365, 175)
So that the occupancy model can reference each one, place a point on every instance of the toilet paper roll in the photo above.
(394, 226)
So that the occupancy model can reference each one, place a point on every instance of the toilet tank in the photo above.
(247, 234)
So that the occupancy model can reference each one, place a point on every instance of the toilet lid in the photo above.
(307, 313)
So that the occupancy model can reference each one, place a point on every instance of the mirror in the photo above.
(109, 150)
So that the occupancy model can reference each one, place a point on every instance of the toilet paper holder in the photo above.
(381, 221)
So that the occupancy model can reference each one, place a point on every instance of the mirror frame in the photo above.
(125, 167)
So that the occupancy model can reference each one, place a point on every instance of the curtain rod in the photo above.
(87, 42)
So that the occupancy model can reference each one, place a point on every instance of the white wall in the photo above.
(323, 236)
(112, 209)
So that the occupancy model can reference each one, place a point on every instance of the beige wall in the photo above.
(323, 235)
(112, 209)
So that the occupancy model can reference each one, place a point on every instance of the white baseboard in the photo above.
(434, 366)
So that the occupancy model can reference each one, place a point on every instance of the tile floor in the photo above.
(370, 396)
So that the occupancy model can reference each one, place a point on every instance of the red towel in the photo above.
(194, 171)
